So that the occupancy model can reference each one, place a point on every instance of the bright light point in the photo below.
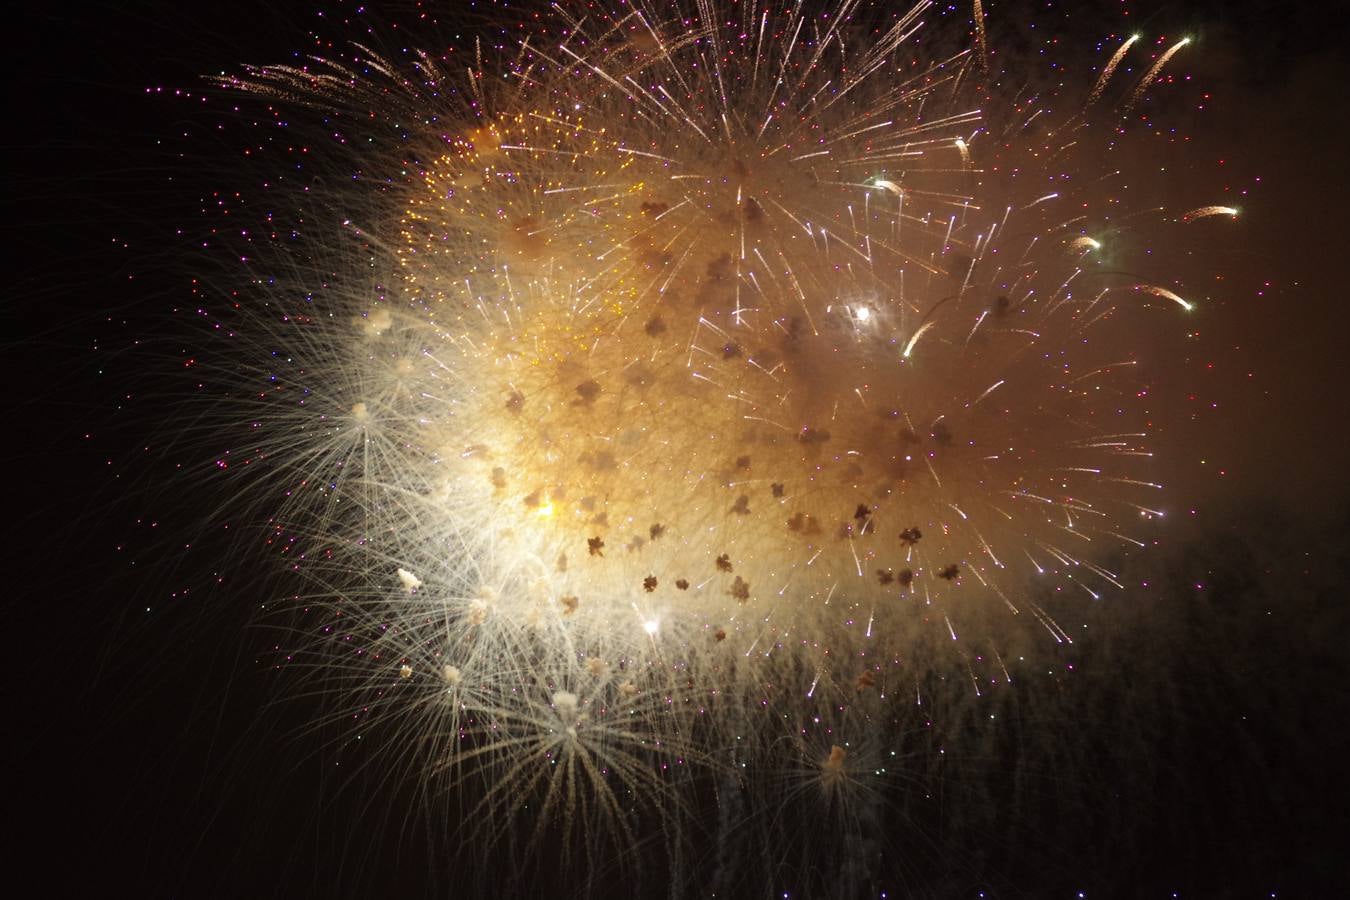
(545, 510)
(651, 626)
(863, 313)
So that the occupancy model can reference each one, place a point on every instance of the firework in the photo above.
(669, 374)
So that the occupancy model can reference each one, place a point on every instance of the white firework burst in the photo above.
(680, 362)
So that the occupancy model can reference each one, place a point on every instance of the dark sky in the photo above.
(154, 751)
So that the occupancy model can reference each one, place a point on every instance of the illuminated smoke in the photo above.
(701, 359)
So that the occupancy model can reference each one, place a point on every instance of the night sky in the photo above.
(1199, 748)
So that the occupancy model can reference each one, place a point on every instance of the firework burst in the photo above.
(671, 373)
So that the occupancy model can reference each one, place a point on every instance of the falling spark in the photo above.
(1152, 73)
(1110, 69)
(1205, 211)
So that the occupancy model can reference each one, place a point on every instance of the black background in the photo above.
(150, 752)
